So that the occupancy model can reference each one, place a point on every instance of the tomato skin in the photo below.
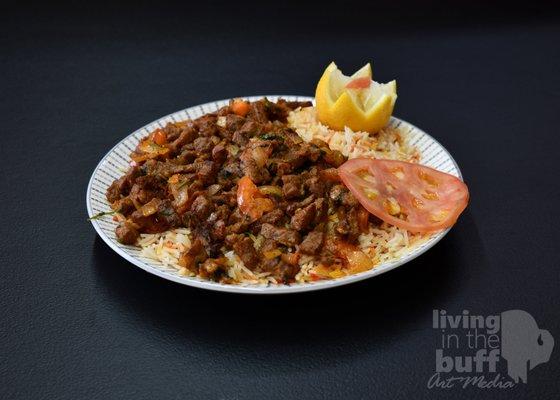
(160, 137)
(250, 200)
(240, 107)
(430, 200)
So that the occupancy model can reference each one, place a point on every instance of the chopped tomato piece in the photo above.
(148, 149)
(407, 195)
(160, 137)
(173, 179)
(250, 200)
(356, 259)
(359, 83)
(363, 219)
(240, 107)
(290, 258)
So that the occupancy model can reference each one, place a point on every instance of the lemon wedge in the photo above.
(354, 101)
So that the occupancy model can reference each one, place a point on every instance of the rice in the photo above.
(388, 143)
(381, 244)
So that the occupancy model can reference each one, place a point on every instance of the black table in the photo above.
(78, 321)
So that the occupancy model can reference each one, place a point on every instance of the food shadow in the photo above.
(352, 319)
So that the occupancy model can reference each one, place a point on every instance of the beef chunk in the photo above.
(243, 247)
(293, 207)
(234, 122)
(253, 161)
(187, 134)
(257, 112)
(201, 207)
(212, 267)
(203, 144)
(207, 125)
(292, 186)
(312, 242)
(156, 216)
(316, 186)
(348, 223)
(336, 194)
(354, 225)
(287, 237)
(191, 258)
(349, 200)
(187, 156)
(146, 188)
(126, 233)
(207, 172)
(273, 217)
(286, 273)
(219, 153)
(322, 208)
(122, 186)
(248, 130)
(303, 218)
(292, 105)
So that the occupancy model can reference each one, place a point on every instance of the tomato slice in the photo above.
(359, 83)
(410, 196)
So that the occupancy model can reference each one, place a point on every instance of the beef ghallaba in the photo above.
(242, 180)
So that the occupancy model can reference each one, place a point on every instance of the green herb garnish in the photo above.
(270, 136)
(101, 214)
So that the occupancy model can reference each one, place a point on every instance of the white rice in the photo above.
(382, 243)
(388, 143)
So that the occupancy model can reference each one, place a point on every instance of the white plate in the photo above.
(116, 161)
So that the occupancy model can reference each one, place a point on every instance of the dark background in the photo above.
(77, 321)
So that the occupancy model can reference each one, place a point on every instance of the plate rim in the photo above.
(257, 289)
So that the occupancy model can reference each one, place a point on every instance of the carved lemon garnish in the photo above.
(354, 101)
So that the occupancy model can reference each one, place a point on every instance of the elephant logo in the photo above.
(524, 345)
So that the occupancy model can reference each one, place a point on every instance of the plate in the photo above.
(116, 162)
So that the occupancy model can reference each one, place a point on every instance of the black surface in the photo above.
(77, 321)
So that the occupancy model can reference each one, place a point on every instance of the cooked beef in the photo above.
(201, 207)
(193, 256)
(187, 134)
(287, 237)
(312, 242)
(126, 233)
(292, 186)
(207, 125)
(303, 218)
(253, 161)
(194, 185)
(121, 187)
(292, 105)
(243, 247)
(234, 122)
(322, 208)
(293, 207)
(211, 268)
(285, 273)
(249, 129)
(316, 186)
(273, 217)
(162, 216)
(207, 172)
(219, 153)
(203, 144)
(146, 188)
(258, 113)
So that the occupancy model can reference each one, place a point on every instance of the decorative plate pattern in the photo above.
(116, 162)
